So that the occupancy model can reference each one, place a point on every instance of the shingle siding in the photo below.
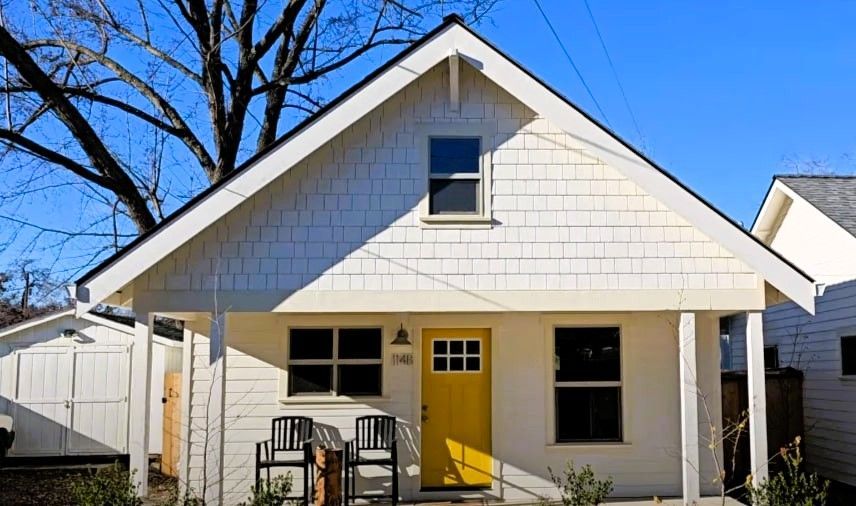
(347, 218)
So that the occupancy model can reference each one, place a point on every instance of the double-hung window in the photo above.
(587, 384)
(455, 176)
(335, 361)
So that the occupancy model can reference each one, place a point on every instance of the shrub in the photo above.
(270, 492)
(188, 499)
(792, 486)
(109, 485)
(581, 488)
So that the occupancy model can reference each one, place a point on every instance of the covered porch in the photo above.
(240, 371)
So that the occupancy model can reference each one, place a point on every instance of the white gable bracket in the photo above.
(454, 82)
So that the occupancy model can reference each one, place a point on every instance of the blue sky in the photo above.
(724, 92)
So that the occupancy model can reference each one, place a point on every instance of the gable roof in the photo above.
(834, 196)
(453, 35)
(163, 333)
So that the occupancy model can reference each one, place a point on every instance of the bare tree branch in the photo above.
(89, 141)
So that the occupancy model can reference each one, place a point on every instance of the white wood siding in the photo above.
(812, 344)
(347, 218)
(647, 464)
(40, 367)
(816, 244)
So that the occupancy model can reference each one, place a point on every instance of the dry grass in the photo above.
(43, 487)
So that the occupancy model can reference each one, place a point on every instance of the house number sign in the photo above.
(402, 359)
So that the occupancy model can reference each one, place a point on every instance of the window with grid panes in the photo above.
(335, 361)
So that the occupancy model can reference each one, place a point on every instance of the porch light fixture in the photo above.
(401, 337)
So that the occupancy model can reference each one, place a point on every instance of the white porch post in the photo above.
(756, 382)
(216, 409)
(689, 408)
(140, 399)
(186, 397)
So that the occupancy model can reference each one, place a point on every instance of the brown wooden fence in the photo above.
(784, 417)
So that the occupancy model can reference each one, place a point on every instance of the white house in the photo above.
(560, 292)
(65, 381)
(812, 221)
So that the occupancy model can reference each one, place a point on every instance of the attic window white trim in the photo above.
(485, 133)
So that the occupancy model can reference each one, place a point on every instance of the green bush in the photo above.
(270, 492)
(581, 488)
(109, 485)
(792, 486)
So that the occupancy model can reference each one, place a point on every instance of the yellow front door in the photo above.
(456, 443)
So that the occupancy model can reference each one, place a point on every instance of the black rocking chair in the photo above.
(288, 434)
(373, 433)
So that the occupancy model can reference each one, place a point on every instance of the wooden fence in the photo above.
(784, 418)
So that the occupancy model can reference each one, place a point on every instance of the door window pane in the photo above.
(473, 364)
(473, 347)
(441, 364)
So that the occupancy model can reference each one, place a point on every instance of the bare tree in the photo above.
(140, 104)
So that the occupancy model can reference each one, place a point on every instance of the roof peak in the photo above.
(454, 18)
(814, 176)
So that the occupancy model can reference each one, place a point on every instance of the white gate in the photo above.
(71, 400)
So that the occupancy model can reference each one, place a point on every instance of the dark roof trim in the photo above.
(447, 21)
(635, 151)
(766, 196)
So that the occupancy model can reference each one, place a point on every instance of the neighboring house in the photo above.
(65, 381)
(811, 220)
(453, 243)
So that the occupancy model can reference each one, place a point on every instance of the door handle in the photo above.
(67, 404)
(424, 412)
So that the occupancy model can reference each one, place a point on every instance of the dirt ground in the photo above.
(36, 486)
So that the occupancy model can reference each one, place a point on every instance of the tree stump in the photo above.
(328, 477)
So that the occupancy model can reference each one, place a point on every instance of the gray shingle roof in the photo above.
(834, 196)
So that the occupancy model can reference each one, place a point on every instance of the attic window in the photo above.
(456, 164)
(455, 176)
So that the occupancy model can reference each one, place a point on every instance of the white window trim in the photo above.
(334, 362)
(487, 133)
(552, 415)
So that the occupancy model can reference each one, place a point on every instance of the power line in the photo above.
(571, 61)
(614, 72)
